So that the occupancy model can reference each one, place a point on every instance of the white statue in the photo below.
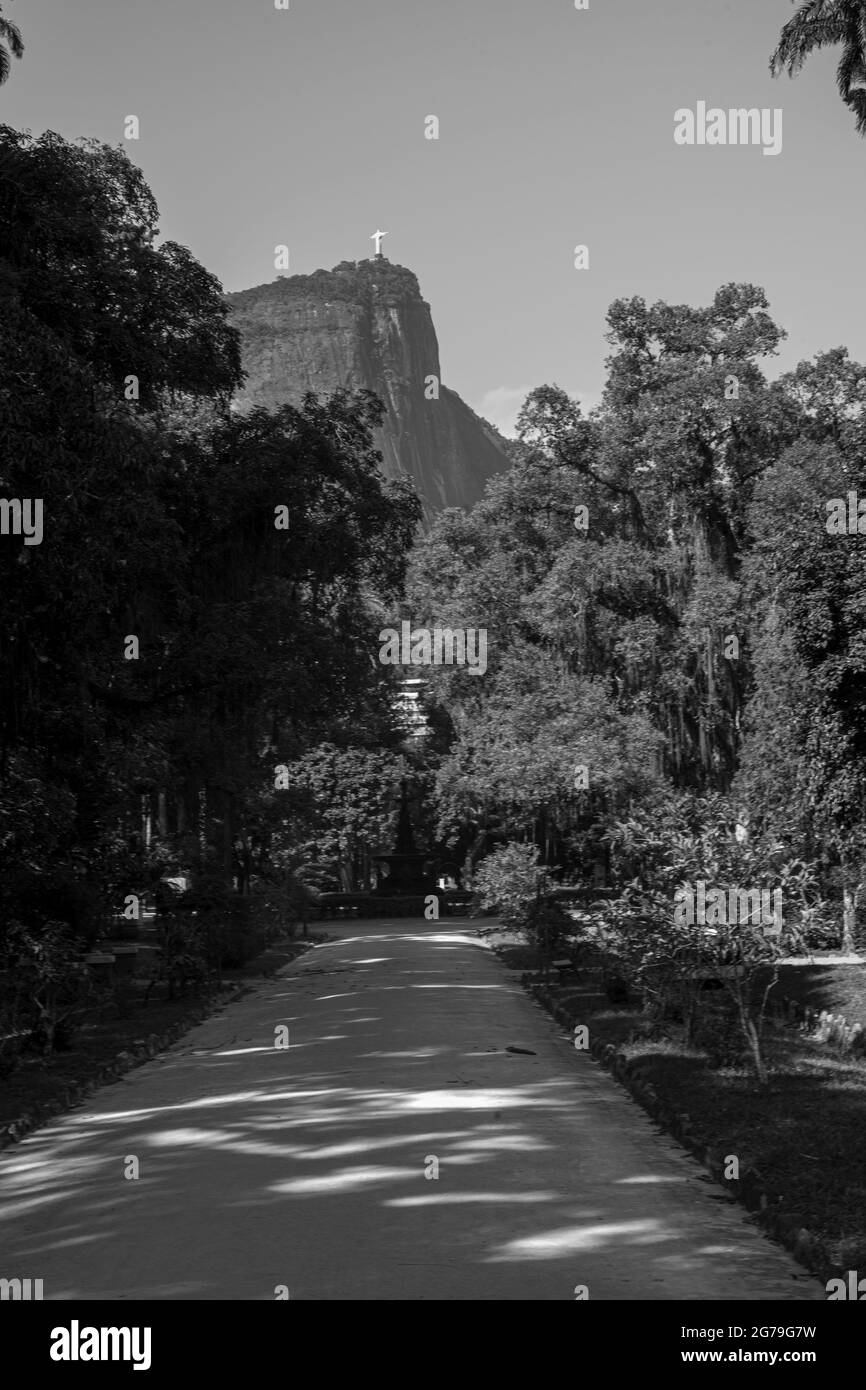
(377, 237)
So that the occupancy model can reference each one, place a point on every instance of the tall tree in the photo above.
(824, 24)
(239, 551)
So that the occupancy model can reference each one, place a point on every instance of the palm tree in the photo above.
(818, 24)
(10, 43)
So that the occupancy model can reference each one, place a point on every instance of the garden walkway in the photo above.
(396, 1149)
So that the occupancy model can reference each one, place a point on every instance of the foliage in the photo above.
(507, 881)
(11, 45)
(668, 957)
(339, 807)
(817, 24)
(687, 657)
(43, 984)
(608, 640)
(159, 513)
(187, 954)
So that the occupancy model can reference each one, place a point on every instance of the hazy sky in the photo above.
(306, 127)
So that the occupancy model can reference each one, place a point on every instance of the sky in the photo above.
(306, 127)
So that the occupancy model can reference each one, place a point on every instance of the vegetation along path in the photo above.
(428, 1133)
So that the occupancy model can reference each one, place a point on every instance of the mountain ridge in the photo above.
(366, 324)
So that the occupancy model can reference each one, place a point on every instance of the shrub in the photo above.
(183, 955)
(821, 928)
(511, 882)
(716, 1030)
(46, 984)
(667, 953)
(508, 882)
(549, 924)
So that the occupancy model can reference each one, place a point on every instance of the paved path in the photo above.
(307, 1167)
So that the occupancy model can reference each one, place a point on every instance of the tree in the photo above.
(665, 849)
(822, 24)
(606, 568)
(162, 520)
(10, 46)
(804, 763)
(339, 807)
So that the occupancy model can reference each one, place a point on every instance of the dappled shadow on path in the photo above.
(393, 1150)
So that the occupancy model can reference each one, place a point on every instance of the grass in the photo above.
(802, 1136)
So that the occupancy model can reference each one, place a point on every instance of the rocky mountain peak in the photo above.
(365, 324)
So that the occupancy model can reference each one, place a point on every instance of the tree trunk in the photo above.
(849, 918)
(750, 1033)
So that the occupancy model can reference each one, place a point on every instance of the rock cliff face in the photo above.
(364, 324)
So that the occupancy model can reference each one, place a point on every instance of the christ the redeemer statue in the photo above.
(377, 237)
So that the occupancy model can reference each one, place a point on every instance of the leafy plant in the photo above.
(46, 984)
(670, 958)
(183, 957)
(508, 882)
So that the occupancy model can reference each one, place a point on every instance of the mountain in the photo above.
(364, 324)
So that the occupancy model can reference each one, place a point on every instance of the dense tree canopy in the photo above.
(664, 604)
(199, 605)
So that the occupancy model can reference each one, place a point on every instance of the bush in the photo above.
(549, 924)
(44, 984)
(821, 928)
(62, 898)
(665, 950)
(508, 882)
(183, 956)
(716, 1030)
